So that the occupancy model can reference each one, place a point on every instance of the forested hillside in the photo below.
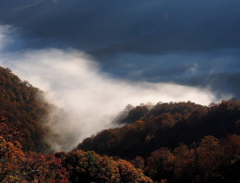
(25, 134)
(167, 142)
(24, 104)
(177, 142)
(76, 166)
(165, 125)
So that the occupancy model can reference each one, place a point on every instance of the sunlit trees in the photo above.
(89, 166)
(39, 168)
(25, 105)
(11, 156)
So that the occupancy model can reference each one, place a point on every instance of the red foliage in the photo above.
(9, 130)
(40, 168)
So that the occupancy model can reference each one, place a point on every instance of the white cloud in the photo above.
(91, 97)
(194, 67)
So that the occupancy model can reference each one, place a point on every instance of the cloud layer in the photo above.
(137, 25)
(92, 98)
(167, 67)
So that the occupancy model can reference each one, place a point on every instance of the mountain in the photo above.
(24, 104)
(176, 142)
(25, 134)
(164, 125)
(166, 142)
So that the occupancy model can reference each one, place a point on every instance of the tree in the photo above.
(11, 157)
(209, 156)
(161, 164)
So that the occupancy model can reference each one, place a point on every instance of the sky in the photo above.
(93, 58)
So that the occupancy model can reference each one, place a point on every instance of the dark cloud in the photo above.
(218, 70)
(138, 40)
(154, 26)
(166, 67)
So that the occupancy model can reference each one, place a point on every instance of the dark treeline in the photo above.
(165, 125)
(212, 160)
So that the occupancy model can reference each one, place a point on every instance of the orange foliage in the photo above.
(11, 157)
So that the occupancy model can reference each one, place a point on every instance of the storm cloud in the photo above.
(156, 40)
(154, 26)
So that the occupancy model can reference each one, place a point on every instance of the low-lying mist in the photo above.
(90, 98)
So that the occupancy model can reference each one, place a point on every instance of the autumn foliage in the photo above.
(25, 105)
(213, 160)
(166, 125)
(164, 143)
(89, 166)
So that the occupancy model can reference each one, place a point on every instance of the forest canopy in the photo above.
(25, 105)
(166, 142)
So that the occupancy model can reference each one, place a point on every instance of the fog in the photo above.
(74, 81)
